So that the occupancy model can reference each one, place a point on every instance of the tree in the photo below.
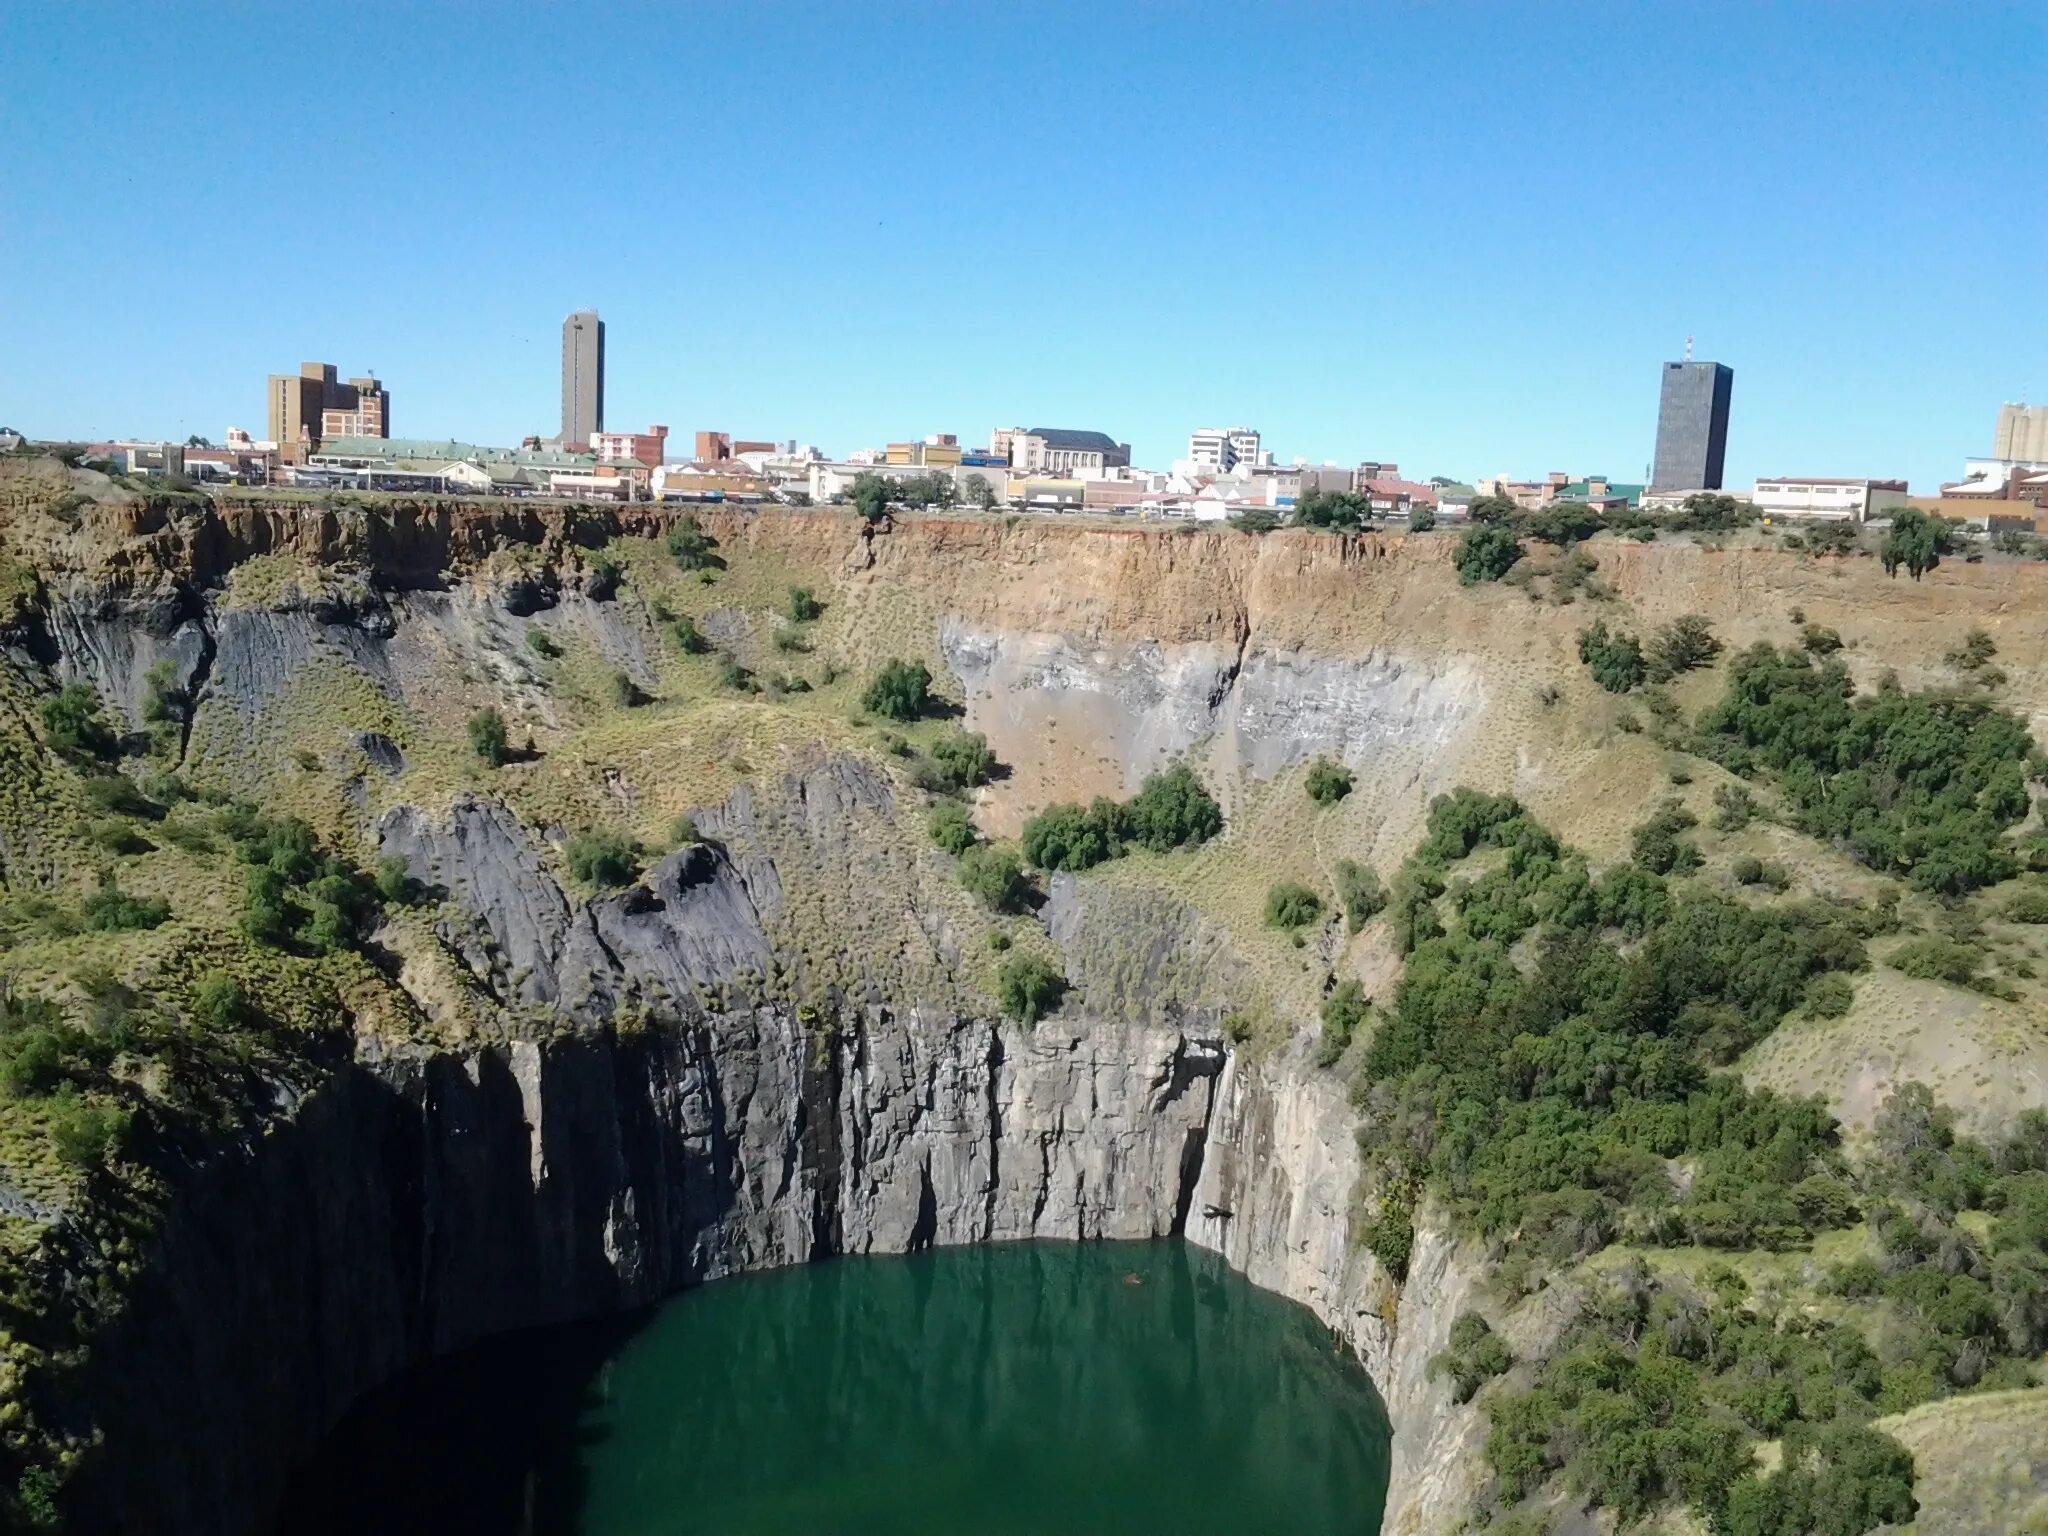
(964, 759)
(1172, 809)
(1328, 782)
(979, 492)
(163, 701)
(1421, 519)
(1343, 1011)
(1487, 552)
(950, 827)
(487, 738)
(691, 547)
(1683, 645)
(1029, 988)
(74, 722)
(1495, 507)
(996, 877)
(901, 690)
(803, 605)
(601, 858)
(1915, 541)
(871, 497)
(1069, 837)
(1332, 509)
(220, 1002)
(1360, 891)
(1614, 657)
(1255, 520)
(1563, 523)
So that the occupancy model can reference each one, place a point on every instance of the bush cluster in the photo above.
(1172, 809)
(1922, 785)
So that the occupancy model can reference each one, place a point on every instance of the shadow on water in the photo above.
(1036, 1387)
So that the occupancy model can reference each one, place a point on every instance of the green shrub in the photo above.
(963, 759)
(487, 737)
(996, 877)
(1934, 958)
(683, 630)
(791, 643)
(901, 690)
(1657, 846)
(1421, 519)
(1685, 644)
(682, 832)
(1344, 1010)
(112, 910)
(163, 701)
(74, 724)
(2028, 906)
(625, 692)
(1828, 996)
(691, 547)
(83, 1131)
(1069, 837)
(220, 1002)
(1172, 809)
(803, 606)
(541, 643)
(1290, 904)
(1473, 1356)
(1389, 1235)
(601, 859)
(1615, 659)
(1486, 552)
(950, 827)
(1819, 640)
(1734, 808)
(394, 884)
(1359, 892)
(734, 675)
(1029, 989)
(1328, 782)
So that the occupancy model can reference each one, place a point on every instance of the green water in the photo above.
(1031, 1387)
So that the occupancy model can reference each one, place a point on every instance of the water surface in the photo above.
(1020, 1388)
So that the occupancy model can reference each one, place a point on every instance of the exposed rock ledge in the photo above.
(418, 1202)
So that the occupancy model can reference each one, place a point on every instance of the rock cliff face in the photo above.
(641, 1113)
(417, 1202)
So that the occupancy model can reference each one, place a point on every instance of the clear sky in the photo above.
(1461, 236)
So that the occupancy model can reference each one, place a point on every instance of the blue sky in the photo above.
(1459, 236)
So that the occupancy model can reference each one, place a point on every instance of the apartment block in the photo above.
(307, 408)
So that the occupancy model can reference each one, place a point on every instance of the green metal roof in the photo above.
(446, 450)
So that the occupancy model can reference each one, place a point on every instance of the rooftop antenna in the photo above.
(1688, 349)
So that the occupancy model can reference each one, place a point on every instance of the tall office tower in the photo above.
(1692, 426)
(582, 379)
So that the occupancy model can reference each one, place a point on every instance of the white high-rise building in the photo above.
(1220, 450)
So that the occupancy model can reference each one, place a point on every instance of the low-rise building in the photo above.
(630, 447)
(1066, 452)
(1822, 496)
(939, 451)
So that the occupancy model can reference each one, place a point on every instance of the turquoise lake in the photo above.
(1028, 1387)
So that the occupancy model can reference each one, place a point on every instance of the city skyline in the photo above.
(1489, 274)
